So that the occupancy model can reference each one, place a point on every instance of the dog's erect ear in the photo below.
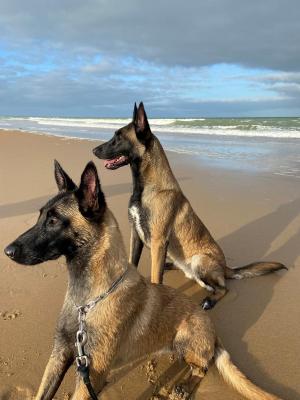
(141, 120)
(64, 182)
(90, 196)
(134, 112)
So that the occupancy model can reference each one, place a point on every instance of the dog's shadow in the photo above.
(254, 242)
(33, 205)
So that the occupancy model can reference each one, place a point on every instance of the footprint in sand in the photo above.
(7, 315)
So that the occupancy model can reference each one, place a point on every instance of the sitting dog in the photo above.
(163, 219)
(122, 316)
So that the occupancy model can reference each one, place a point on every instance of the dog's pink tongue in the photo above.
(114, 162)
(108, 163)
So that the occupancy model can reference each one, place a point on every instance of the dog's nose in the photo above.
(10, 250)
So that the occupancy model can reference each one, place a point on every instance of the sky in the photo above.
(192, 58)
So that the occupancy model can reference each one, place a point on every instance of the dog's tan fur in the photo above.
(137, 319)
(174, 228)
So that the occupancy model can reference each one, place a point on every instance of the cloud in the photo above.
(58, 93)
(286, 85)
(96, 57)
(254, 33)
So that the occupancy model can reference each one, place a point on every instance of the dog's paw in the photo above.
(208, 303)
(179, 393)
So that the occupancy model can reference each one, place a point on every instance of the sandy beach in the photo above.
(254, 216)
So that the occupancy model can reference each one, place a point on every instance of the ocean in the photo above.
(269, 145)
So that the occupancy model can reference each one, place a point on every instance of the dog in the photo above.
(136, 318)
(162, 218)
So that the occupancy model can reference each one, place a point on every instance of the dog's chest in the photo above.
(139, 217)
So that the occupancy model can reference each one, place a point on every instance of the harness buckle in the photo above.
(82, 361)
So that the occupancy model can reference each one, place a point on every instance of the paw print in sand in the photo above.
(6, 315)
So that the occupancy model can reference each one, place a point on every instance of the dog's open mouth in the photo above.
(117, 162)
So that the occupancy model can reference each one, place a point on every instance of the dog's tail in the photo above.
(252, 270)
(235, 378)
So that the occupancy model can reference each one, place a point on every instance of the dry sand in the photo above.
(253, 216)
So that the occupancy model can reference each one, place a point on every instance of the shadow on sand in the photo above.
(32, 205)
(253, 241)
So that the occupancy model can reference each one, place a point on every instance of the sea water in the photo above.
(257, 144)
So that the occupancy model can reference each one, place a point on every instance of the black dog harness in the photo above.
(83, 359)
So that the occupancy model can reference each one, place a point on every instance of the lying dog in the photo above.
(163, 219)
(126, 317)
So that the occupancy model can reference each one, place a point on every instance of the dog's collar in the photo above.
(84, 309)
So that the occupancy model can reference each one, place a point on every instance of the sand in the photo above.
(253, 216)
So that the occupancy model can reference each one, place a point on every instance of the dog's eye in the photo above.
(52, 221)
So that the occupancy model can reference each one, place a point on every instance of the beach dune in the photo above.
(254, 216)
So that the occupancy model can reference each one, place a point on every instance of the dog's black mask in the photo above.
(46, 240)
(55, 232)
(117, 151)
(128, 143)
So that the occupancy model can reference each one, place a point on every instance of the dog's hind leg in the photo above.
(186, 388)
(219, 290)
(210, 276)
(195, 343)
(198, 357)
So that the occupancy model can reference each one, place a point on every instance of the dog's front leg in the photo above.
(101, 359)
(58, 364)
(158, 259)
(136, 247)
(98, 381)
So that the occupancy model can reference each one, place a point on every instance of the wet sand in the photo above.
(254, 216)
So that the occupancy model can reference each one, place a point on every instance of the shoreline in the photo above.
(45, 133)
(252, 216)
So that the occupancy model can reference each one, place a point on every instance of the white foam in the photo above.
(179, 127)
(229, 131)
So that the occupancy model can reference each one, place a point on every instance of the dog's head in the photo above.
(66, 223)
(128, 143)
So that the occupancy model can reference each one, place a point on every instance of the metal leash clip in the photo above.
(81, 339)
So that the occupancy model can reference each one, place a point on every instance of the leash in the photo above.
(83, 359)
